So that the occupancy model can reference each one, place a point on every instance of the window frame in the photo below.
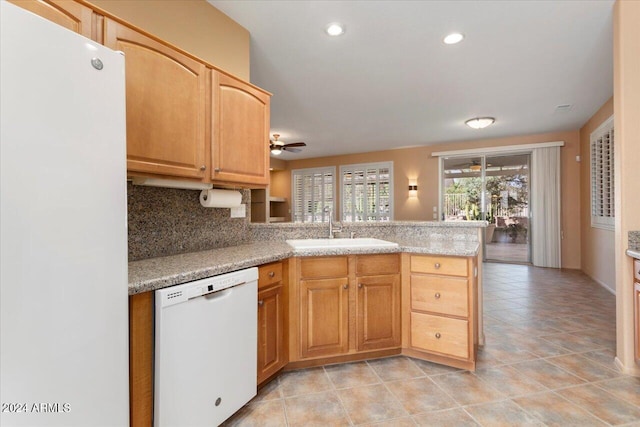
(606, 222)
(311, 171)
(378, 165)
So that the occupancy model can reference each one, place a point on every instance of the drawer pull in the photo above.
(260, 303)
(437, 295)
(345, 286)
(438, 335)
(437, 265)
(272, 274)
(203, 168)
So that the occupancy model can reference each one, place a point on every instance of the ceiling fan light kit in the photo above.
(480, 122)
(277, 147)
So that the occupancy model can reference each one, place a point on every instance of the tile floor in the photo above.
(548, 360)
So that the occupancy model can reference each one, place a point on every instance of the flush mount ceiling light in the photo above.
(480, 122)
(335, 29)
(453, 38)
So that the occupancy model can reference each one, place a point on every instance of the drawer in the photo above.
(269, 274)
(445, 295)
(318, 267)
(375, 265)
(448, 266)
(636, 270)
(440, 334)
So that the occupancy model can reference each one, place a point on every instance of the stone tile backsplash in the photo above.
(634, 240)
(164, 221)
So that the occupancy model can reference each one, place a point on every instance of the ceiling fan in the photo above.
(278, 147)
(474, 166)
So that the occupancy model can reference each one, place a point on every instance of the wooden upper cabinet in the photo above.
(167, 105)
(66, 13)
(240, 146)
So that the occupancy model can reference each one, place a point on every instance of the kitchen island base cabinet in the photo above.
(344, 308)
(440, 309)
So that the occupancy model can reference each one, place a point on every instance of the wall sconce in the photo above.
(413, 190)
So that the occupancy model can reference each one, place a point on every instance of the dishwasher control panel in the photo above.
(182, 293)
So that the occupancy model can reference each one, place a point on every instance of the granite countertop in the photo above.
(157, 273)
(634, 244)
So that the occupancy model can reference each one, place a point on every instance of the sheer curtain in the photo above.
(545, 207)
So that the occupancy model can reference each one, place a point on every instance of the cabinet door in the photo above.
(324, 317)
(270, 332)
(378, 315)
(636, 294)
(66, 13)
(240, 147)
(167, 106)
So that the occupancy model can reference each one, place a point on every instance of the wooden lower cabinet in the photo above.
(271, 358)
(324, 312)
(346, 305)
(440, 309)
(636, 299)
(272, 354)
(378, 312)
(141, 347)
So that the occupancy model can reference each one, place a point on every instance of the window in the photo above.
(602, 182)
(313, 190)
(367, 192)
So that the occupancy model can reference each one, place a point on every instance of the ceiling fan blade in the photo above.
(291, 149)
(296, 144)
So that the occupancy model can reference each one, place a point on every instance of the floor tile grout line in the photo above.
(384, 383)
(335, 392)
(579, 406)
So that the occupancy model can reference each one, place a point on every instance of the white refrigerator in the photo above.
(63, 271)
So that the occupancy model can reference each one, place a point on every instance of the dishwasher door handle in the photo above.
(214, 296)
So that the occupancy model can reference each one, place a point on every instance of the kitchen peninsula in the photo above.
(422, 298)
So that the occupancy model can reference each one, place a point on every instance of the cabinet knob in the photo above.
(345, 286)
(437, 265)
(360, 285)
(260, 303)
(272, 274)
(203, 168)
(438, 335)
(216, 170)
(437, 295)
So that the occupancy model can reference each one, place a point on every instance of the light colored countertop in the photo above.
(634, 254)
(157, 273)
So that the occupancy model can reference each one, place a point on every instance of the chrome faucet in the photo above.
(332, 228)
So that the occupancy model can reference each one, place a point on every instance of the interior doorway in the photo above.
(494, 188)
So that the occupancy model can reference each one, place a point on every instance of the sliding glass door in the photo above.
(496, 189)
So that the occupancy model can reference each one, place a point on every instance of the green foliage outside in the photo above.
(513, 184)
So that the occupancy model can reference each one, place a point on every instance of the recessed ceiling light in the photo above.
(480, 122)
(335, 29)
(453, 38)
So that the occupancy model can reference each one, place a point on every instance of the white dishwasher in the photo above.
(205, 349)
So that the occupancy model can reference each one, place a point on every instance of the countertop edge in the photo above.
(633, 253)
(146, 285)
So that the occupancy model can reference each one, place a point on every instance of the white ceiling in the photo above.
(391, 82)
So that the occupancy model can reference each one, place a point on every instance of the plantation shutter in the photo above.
(602, 176)
(312, 191)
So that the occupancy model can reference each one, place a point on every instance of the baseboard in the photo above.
(634, 371)
(613, 291)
